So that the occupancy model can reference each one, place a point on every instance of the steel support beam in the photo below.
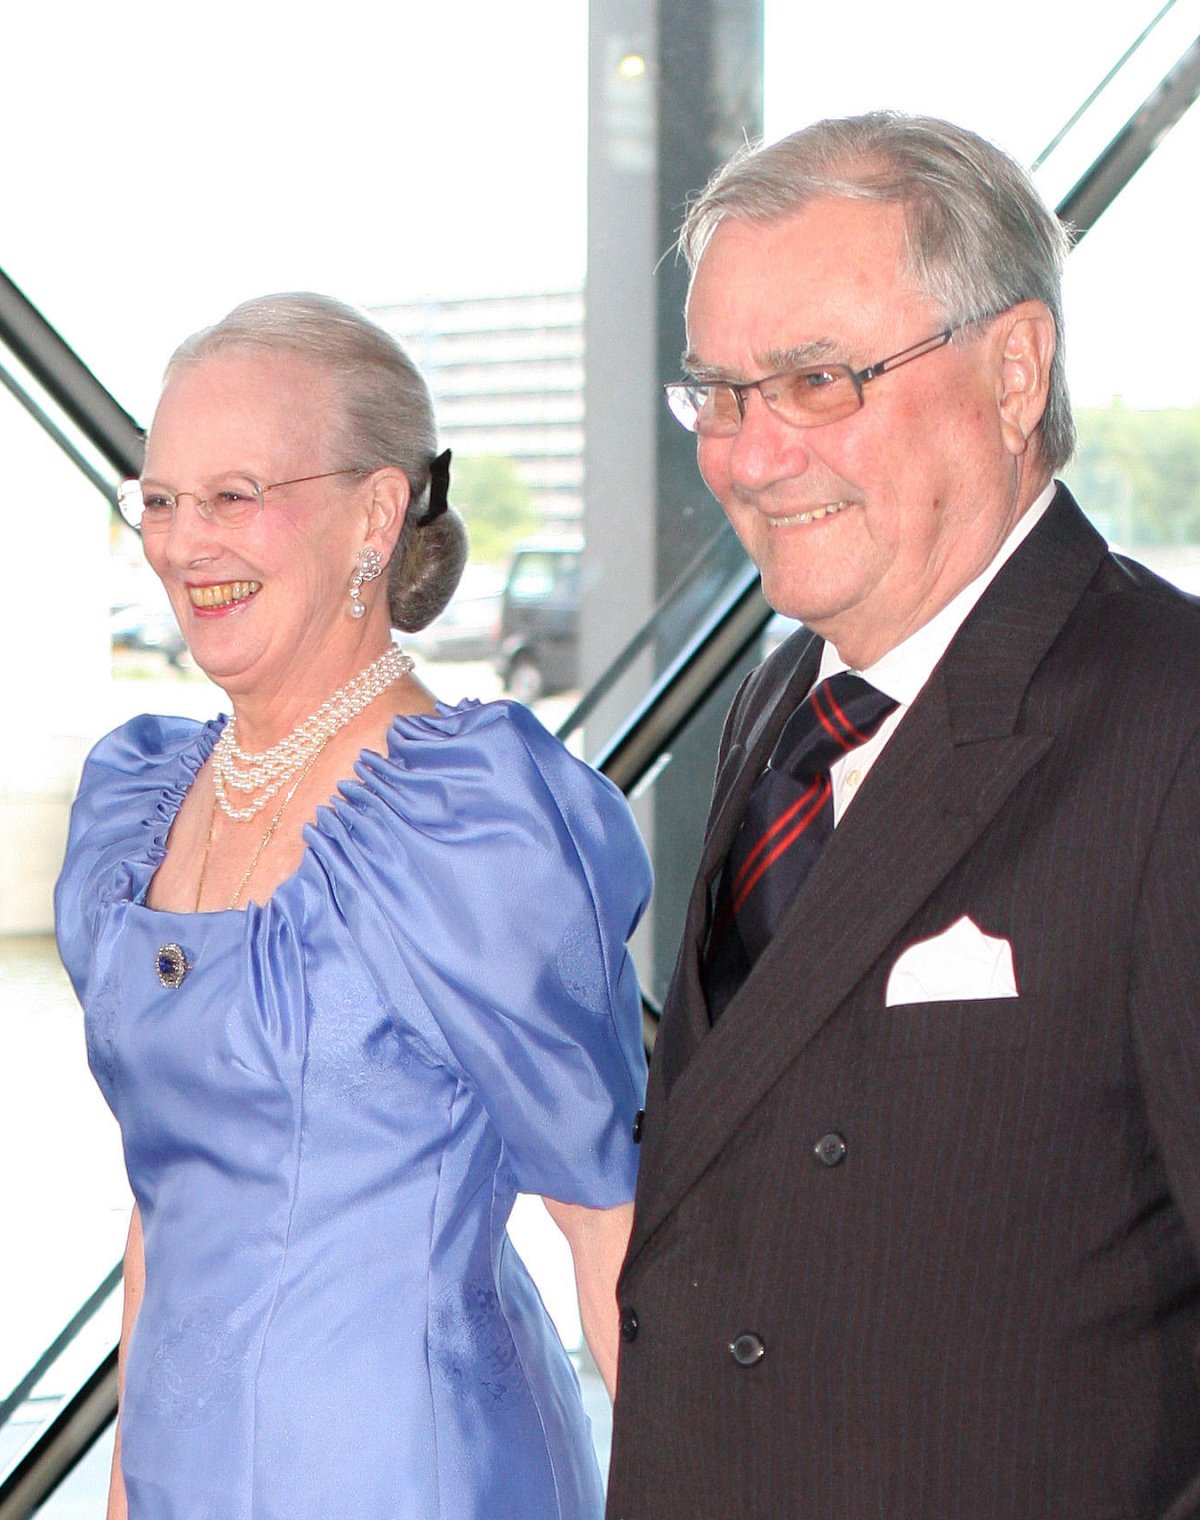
(1096, 190)
(64, 376)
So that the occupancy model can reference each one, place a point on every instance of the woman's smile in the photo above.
(216, 598)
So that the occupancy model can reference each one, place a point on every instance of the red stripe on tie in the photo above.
(782, 822)
(817, 803)
(838, 726)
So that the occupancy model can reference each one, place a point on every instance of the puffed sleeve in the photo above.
(483, 869)
(132, 784)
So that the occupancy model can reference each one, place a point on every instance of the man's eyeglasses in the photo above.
(807, 396)
(232, 503)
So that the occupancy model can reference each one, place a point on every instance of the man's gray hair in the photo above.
(384, 416)
(980, 237)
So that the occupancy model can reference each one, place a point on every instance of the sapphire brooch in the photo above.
(172, 965)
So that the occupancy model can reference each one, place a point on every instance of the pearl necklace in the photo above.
(233, 770)
(262, 844)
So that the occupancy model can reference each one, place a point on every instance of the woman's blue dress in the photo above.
(326, 1122)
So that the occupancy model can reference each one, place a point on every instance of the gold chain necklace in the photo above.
(263, 842)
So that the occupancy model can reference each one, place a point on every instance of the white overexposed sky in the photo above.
(164, 161)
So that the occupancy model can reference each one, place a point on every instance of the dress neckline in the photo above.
(190, 760)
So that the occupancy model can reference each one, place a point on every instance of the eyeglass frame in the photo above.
(204, 503)
(857, 377)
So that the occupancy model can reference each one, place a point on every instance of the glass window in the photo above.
(1018, 83)
(66, 1203)
(143, 216)
(1134, 383)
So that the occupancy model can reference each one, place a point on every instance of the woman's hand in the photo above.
(598, 1239)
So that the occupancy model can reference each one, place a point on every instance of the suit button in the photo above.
(637, 1126)
(747, 1348)
(830, 1149)
(629, 1324)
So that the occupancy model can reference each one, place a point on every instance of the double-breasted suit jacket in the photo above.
(938, 1261)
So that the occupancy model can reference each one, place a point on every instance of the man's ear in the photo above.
(1029, 342)
(387, 509)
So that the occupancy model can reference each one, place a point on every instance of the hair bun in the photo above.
(424, 576)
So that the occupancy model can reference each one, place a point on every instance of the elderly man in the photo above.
(916, 1233)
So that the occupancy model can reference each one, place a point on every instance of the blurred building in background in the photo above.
(507, 378)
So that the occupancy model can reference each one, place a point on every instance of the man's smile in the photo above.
(811, 515)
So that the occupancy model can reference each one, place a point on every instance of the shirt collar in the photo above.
(902, 671)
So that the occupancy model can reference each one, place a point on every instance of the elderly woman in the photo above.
(354, 970)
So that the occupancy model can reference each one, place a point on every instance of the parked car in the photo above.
(539, 619)
(153, 629)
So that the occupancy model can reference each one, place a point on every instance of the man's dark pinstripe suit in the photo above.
(989, 1309)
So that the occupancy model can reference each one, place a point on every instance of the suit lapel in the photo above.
(949, 767)
(685, 1021)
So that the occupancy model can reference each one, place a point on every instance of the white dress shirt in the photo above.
(903, 671)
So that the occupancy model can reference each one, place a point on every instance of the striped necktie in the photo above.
(789, 816)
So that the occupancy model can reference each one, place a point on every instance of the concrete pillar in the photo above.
(675, 86)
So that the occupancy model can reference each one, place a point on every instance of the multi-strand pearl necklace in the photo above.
(233, 770)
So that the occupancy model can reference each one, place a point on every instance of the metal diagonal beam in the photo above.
(64, 376)
(1083, 205)
(59, 1344)
(67, 1438)
(23, 398)
(684, 687)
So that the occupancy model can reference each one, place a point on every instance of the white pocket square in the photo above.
(960, 963)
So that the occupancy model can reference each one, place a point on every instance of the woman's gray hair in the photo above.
(980, 238)
(385, 418)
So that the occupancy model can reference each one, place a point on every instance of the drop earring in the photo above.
(370, 565)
